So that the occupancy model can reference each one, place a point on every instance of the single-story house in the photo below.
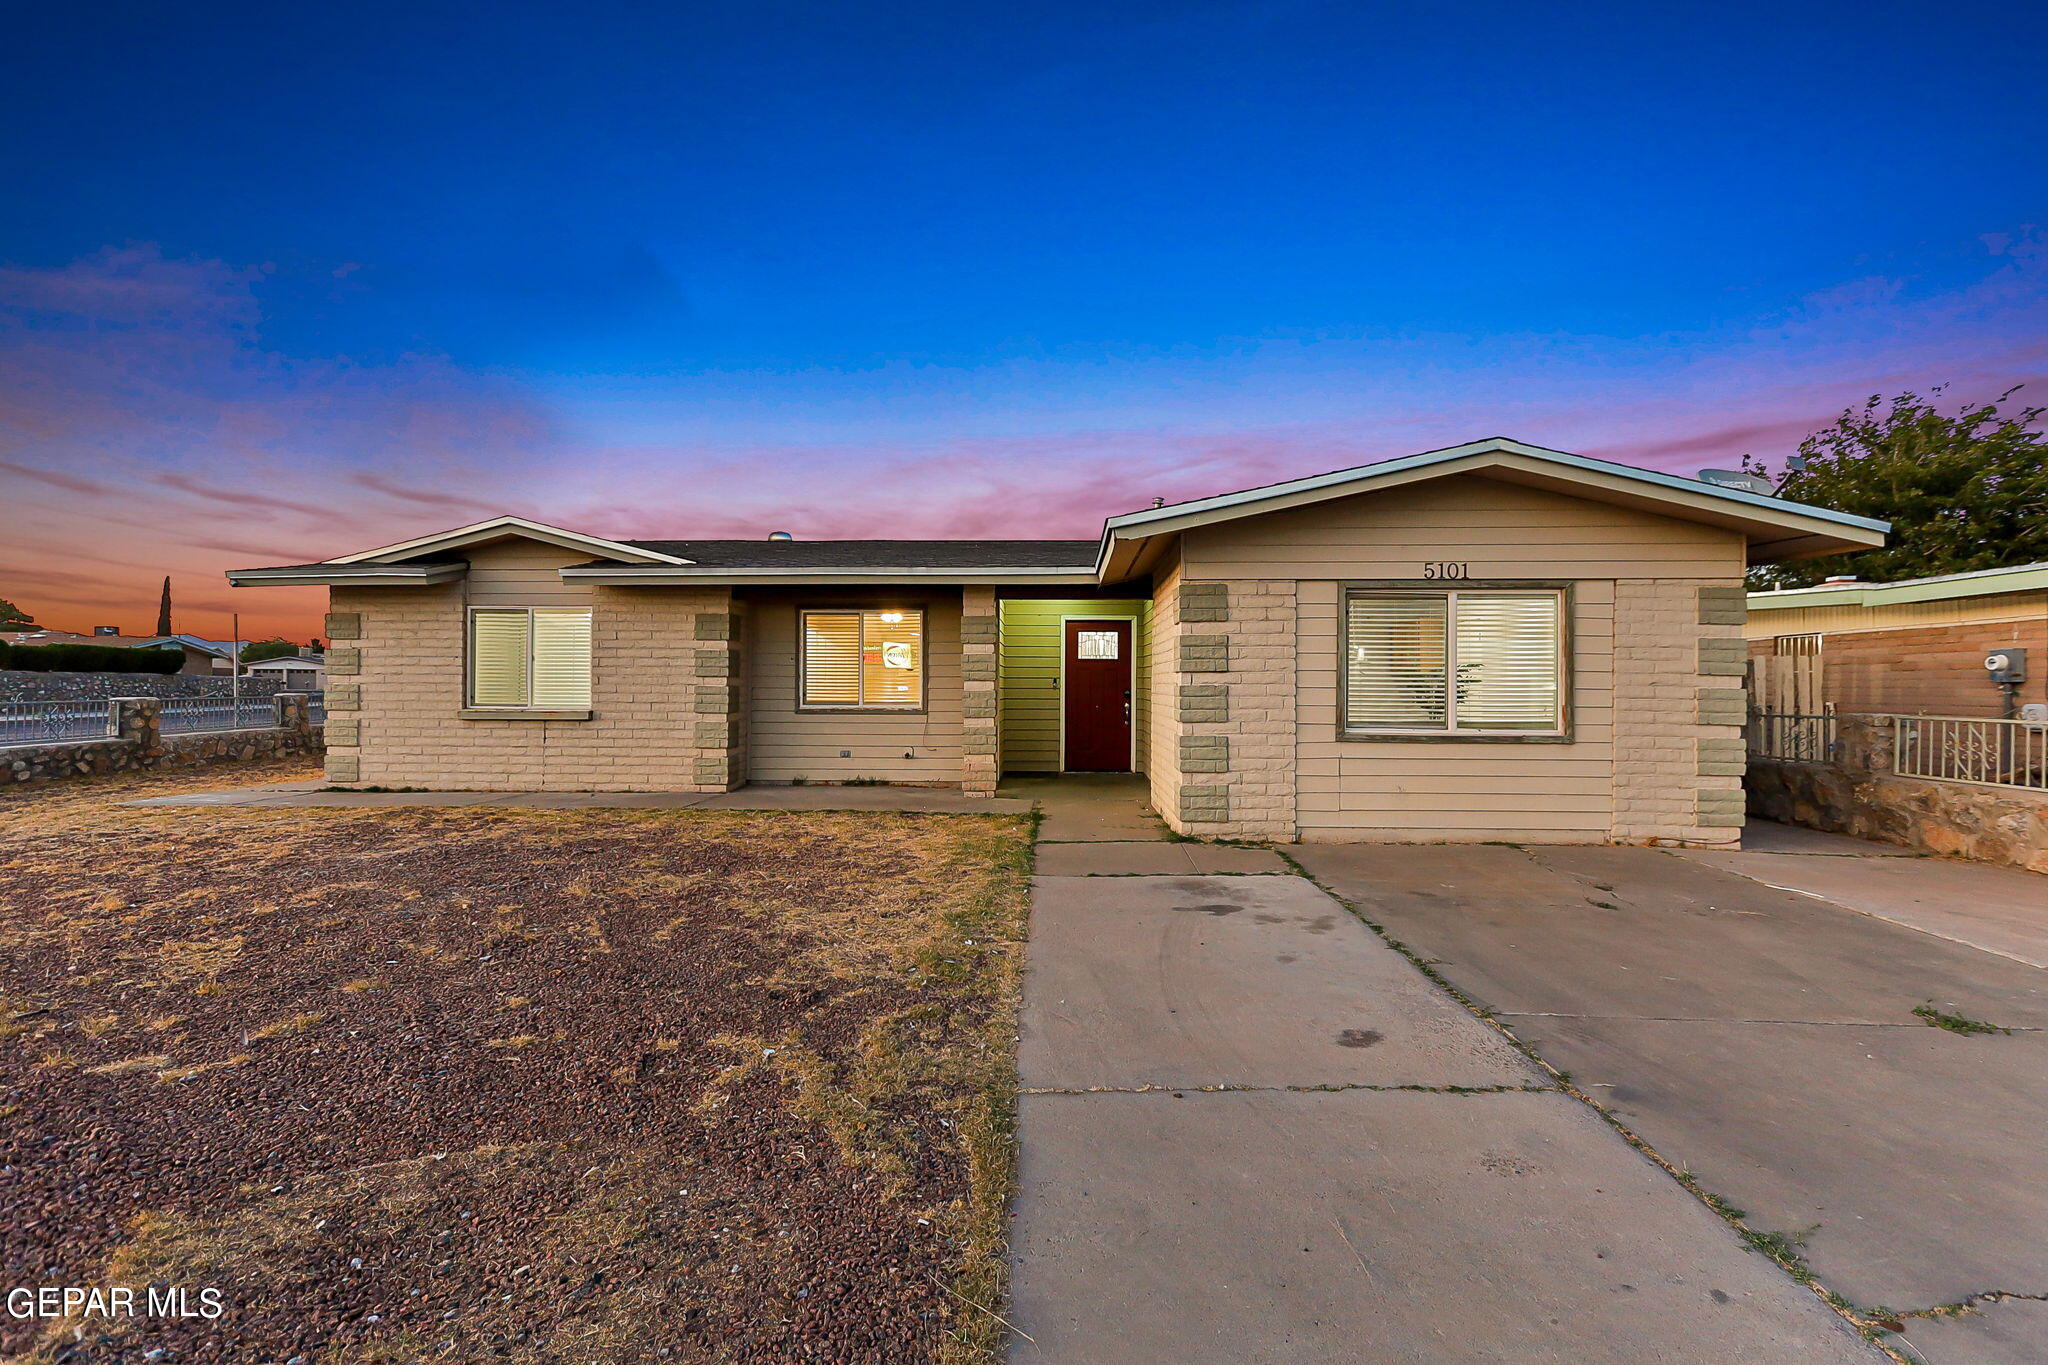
(1490, 642)
(1917, 646)
(298, 672)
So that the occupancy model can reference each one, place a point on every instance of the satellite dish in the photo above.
(1735, 478)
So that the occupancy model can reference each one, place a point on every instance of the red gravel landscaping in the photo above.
(500, 1085)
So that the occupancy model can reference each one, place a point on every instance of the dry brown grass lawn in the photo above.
(532, 1086)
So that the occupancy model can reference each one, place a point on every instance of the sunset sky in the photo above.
(280, 283)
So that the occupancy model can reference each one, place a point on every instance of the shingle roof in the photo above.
(878, 554)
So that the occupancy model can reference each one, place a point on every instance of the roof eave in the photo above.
(1982, 583)
(339, 575)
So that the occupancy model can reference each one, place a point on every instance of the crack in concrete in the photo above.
(1713, 1019)
(1867, 914)
(1970, 1304)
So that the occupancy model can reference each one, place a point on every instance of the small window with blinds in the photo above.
(863, 660)
(537, 658)
(1454, 663)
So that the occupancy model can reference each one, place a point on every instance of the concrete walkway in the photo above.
(1252, 1132)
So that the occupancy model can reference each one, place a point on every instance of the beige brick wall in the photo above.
(1224, 730)
(1677, 713)
(653, 689)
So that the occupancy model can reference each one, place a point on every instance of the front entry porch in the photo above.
(1073, 681)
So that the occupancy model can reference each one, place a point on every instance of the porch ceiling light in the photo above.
(892, 616)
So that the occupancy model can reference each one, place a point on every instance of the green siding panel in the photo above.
(1030, 675)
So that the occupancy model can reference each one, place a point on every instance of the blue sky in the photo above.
(665, 266)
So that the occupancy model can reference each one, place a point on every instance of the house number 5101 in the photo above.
(1446, 569)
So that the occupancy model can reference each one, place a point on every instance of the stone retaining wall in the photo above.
(1859, 794)
(142, 744)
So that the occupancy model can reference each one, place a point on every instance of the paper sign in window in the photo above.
(1096, 644)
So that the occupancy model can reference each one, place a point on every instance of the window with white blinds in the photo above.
(1459, 662)
(865, 659)
(536, 657)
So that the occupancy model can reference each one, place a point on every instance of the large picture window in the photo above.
(534, 657)
(867, 660)
(1456, 663)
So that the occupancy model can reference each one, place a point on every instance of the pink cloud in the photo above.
(145, 418)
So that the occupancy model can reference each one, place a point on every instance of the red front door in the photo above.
(1098, 696)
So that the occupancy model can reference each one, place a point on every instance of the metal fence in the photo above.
(2005, 753)
(190, 715)
(1791, 737)
(51, 722)
(55, 722)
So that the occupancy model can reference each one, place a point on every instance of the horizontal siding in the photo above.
(1502, 530)
(1030, 671)
(788, 745)
(525, 573)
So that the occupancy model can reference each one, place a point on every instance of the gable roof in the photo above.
(498, 528)
(1776, 527)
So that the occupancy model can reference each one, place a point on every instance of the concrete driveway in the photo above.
(1252, 1132)
(1750, 1016)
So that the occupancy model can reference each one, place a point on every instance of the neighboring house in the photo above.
(298, 672)
(1491, 642)
(1914, 647)
(201, 656)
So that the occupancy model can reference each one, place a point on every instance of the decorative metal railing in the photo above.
(2005, 753)
(1790, 737)
(51, 722)
(188, 715)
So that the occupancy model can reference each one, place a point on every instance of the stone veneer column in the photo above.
(1233, 737)
(980, 744)
(141, 720)
(343, 734)
(1678, 711)
(721, 699)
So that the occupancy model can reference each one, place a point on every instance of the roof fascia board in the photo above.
(1480, 455)
(503, 526)
(343, 576)
(1987, 583)
(714, 576)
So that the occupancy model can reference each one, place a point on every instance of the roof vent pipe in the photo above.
(780, 535)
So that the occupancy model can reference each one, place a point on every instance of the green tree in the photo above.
(163, 609)
(14, 618)
(1962, 492)
(257, 651)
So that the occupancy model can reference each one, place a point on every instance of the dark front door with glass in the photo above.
(1098, 696)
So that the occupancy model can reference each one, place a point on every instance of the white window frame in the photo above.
(924, 656)
(469, 701)
(1449, 730)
